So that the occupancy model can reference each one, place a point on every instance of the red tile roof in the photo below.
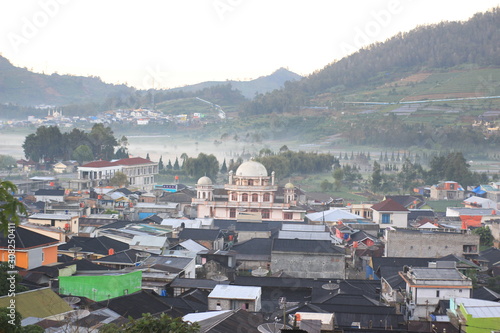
(389, 205)
(132, 161)
(123, 161)
(98, 164)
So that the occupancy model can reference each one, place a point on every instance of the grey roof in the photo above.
(285, 234)
(437, 274)
(200, 234)
(308, 246)
(254, 246)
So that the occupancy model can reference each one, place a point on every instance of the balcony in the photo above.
(248, 188)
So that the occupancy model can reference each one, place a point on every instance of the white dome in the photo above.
(289, 185)
(251, 169)
(204, 181)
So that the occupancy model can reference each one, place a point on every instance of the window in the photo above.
(234, 196)
(244, 197)
(265, 213)
(255, 197)
(232, 212)
(267, 197)
(288, 216)
(43, 256)
(250, 182)
(386, 218)
(437, 293)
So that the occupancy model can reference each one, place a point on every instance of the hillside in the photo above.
(23, 87)
(427, 49)
(250, 88)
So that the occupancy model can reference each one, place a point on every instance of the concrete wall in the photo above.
(309, 265)
(422, 245)
(233, 304)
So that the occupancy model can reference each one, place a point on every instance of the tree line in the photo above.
(49, 144)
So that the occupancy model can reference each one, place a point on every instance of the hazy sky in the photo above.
(173, 43)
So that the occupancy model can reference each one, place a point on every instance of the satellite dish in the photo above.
(271, 328)
(260, 272)
(330, 286)
(78, 314)
(219, 278)
(75, 249)
(71, 300)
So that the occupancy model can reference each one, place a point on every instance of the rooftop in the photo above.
(235, 292)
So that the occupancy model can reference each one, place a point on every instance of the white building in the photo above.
(231, 297)
(139, 171)
(426, 286)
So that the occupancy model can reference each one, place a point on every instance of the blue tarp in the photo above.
(142, 216)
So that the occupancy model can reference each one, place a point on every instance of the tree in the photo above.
(147, 157)
(176, 164)
(485, 236)
(5, 283)
(376, 183)
(10, 207)
(223, 168)
(7, 162)
(103, 142)
(326, 185)
(149, 323)
(202, 165)
(122, 152)
(82, 153)
(160, 164)
(338, 176)
(10, 322)
(46, 143)
(169, 165)
(119, 179)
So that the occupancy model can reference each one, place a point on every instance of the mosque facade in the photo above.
(251, 190)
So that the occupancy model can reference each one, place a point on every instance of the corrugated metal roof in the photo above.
(235, 292)
(303, 227)
(285, 234)
(479, 308)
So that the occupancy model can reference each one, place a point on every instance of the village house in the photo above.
(67, 222)
(448, 190)
(426, 286)
(31, 249)
(428, 243)
(308, 258)
(231, 297)
(390, 213)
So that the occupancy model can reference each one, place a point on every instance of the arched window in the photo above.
(244, 197)
(265, 213)
(232, 212)
(267, 197)
(234, 196)
(255, 197)
(250, 182)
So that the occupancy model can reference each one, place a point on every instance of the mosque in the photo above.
(249, 190)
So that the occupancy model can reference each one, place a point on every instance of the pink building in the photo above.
(249, 189)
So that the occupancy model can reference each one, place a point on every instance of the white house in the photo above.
(231, 297)
(389, 213)
(426, 286)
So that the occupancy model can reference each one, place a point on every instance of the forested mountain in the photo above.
(23, 87)
(431, 47)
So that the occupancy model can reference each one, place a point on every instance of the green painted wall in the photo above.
(480, 325)
(101, 287)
